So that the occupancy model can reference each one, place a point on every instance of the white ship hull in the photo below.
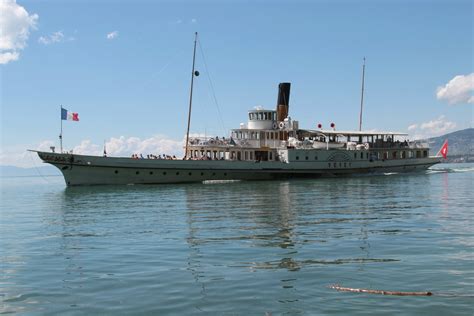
(94, 170)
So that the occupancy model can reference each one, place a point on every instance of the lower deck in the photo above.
(87, 170)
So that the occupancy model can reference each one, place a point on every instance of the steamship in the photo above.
(271, 145)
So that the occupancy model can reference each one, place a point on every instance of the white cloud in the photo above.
(412, 127)
(457, 90)
(18, 155)
(116, 146)
(7, 57)
(126, 146)
(112, 35)
(432, 128)
(15, 26)
(55, 37)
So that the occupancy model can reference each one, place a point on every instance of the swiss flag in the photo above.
(444, 149)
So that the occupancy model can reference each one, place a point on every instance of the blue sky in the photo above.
(135, 84)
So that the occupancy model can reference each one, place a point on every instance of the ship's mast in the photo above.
(193, 73)
(362, 96)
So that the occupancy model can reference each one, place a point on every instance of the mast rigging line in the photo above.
(212, 87)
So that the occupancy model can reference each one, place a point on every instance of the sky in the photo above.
(125, 67)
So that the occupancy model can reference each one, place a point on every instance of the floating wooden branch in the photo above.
(348, 289)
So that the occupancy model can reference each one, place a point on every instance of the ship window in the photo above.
(213, 173)
(425, 153)
(265, 116)
(225, 174)
(202, 173)
(270, 155)
(355, 155)
(306, 157)
(345, 165)
(329, 165)
(297, 158)
(151, 172)
(138, 172)
(361, 155)
(116, 171)
(340, 164)
(190, 173)
(367, 155)
(335, 165)
(315, 157)
(164, 173)
(177, 173)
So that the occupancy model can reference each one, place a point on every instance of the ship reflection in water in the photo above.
(243, 247)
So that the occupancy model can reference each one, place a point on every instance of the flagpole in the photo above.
(61, 134)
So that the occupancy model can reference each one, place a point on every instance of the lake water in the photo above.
(241, 248)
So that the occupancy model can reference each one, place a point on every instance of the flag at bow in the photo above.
(69, 116)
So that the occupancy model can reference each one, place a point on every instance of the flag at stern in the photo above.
(444, 150)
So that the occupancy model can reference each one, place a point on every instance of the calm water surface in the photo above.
(242, 248)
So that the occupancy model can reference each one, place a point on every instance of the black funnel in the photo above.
(283, 102)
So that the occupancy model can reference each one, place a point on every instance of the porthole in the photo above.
(138, 172)
(213, 173)
(151, 172)
(329, 165)
(315, 157)
(202, 173)
(297, 158)
(177, 173)
(164, 173)
(306, 158)
(225, 174)
(190, 173)
(116, 171)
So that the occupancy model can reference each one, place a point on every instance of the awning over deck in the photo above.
(309, 132)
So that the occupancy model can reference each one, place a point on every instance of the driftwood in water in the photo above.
(348, 289)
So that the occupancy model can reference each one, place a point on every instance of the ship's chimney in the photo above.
(283, 100)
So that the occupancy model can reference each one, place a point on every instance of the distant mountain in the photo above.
(11, 171)
(460, 145)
